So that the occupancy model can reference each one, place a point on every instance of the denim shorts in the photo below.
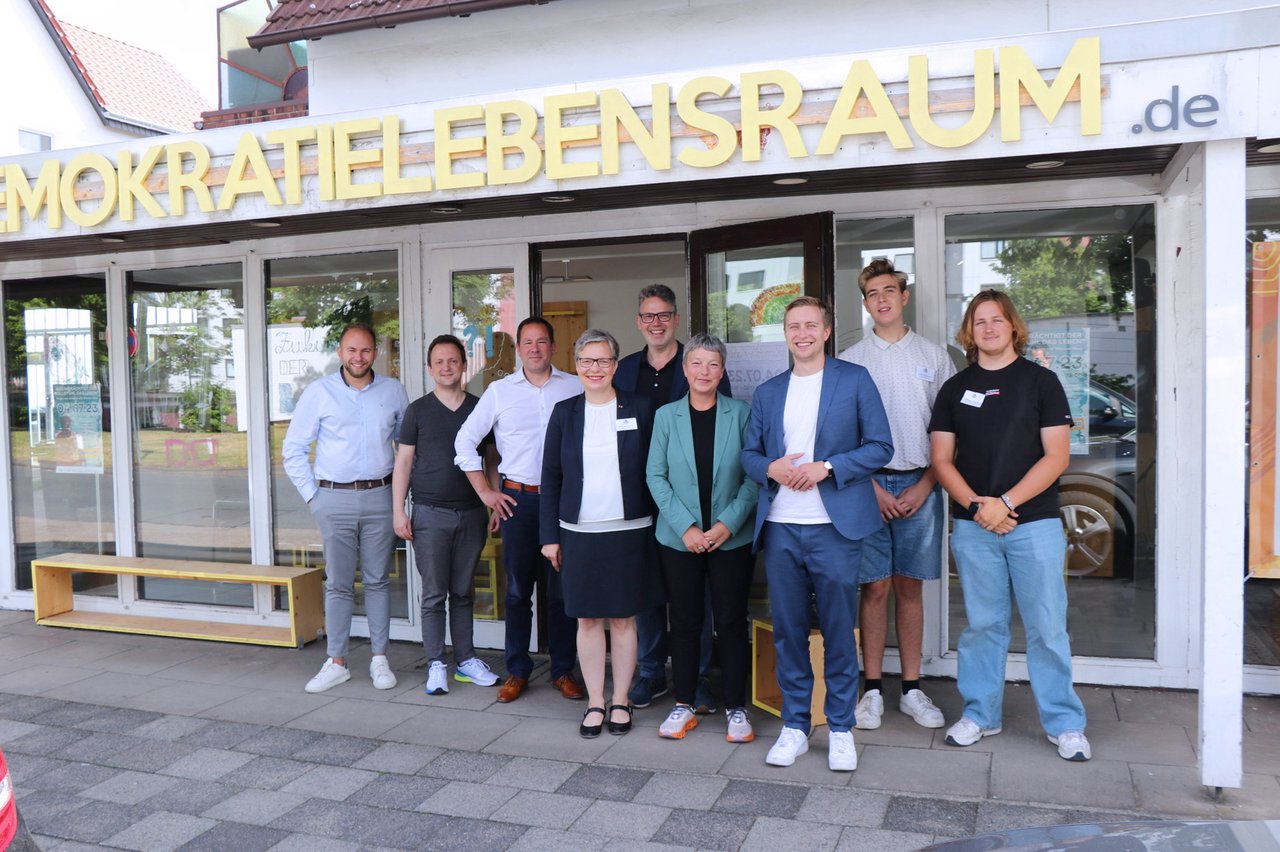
(908, 547)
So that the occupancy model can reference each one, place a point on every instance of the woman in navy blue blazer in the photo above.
(596, 523)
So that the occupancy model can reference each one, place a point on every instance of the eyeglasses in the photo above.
(661, 316)
(588, 363)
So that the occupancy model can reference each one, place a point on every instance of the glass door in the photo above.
(742, 278)
(485, 296)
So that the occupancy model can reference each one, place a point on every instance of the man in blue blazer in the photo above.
(816, 434)
(657, 371)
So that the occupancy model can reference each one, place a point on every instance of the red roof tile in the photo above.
(132, 83)
(292, 20)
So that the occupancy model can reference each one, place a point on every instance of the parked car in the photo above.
(1096, 493)
(14, 836)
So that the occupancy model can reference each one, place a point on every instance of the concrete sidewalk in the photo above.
(147, 743)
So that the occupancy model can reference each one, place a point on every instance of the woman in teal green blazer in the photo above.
(705, 506)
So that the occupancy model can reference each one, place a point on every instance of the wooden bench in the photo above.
(304, 596)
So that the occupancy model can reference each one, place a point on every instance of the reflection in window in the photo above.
(1262, 589)
(310, 300)
(1084, 281)
(59, 419)
(484, 319)
(747, 314)
(858, 242)
(191, 472)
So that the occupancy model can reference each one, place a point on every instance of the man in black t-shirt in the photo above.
(449, 523)
(1000, 437)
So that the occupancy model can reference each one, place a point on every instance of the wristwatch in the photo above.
(831, 470)
(1008, 504)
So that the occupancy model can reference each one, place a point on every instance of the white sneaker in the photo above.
(330, 675)
(842, 756)
(380, 673)
(476, 671)
(740, 730)
(792, 743)
(918, 706)
(1072, 745)
(437, 679)
(681, 721)
(869, 710)
(966, 732)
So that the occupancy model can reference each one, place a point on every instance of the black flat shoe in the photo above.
(619, 728)
(592, 731)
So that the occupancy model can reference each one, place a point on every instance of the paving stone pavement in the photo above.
(146, 743)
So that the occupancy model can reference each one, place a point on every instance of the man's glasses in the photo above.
(661, 316)
(588, 363)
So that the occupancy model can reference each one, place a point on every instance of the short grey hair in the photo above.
(595, 335)
(659, 291)
(708, 343)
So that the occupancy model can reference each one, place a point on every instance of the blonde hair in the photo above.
(964, 336)
(810, 302)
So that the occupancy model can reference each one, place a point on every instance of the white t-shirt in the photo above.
(602, 508)
(908, 375)
(799, 431)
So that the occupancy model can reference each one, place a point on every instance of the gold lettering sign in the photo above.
(577, 135)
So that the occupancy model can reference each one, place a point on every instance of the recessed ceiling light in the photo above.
(112, 239)
(445, 209)
(1271, 146)
(559, 199)
(790, 181)
(1046, 164)
(266, 223)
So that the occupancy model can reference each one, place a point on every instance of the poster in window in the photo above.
(1065, 350)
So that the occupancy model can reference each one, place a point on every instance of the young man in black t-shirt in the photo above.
(1000, 437)
(449, 523)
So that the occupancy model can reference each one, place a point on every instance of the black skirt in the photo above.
(610, 574)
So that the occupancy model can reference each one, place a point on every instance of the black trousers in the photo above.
(728, 573)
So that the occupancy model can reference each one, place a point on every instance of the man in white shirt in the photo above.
(352, 416)
(516, 409)
(908, 371)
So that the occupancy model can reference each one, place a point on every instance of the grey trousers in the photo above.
(447, 544)
(357, 530)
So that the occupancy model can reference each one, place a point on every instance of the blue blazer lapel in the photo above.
(830, 379)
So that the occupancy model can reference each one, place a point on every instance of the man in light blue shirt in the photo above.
(352, 416)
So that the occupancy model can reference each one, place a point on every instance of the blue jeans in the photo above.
(1027, 563)
(908, 547)
(813, 563)
(522, 557)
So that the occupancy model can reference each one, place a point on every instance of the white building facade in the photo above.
(458, 174)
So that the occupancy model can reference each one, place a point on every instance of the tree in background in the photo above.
(1069, 276)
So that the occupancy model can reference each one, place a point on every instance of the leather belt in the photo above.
(519, 486)
(889, 470)
(358, 485)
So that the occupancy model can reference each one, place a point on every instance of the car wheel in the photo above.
(1096, 534)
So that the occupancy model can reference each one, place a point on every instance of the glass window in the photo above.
(484, 319)
(1084, 281)
(59, 420)
(858, 243)
(1262, 589)
(190, 448)
(310, 300)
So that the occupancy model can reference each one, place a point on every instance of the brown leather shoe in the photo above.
(511, 688)
(568, 687)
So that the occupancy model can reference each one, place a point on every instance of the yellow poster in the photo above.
(1264, 539)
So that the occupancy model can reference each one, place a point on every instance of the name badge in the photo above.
(973, 398)
(627, 424)
(925, 373)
